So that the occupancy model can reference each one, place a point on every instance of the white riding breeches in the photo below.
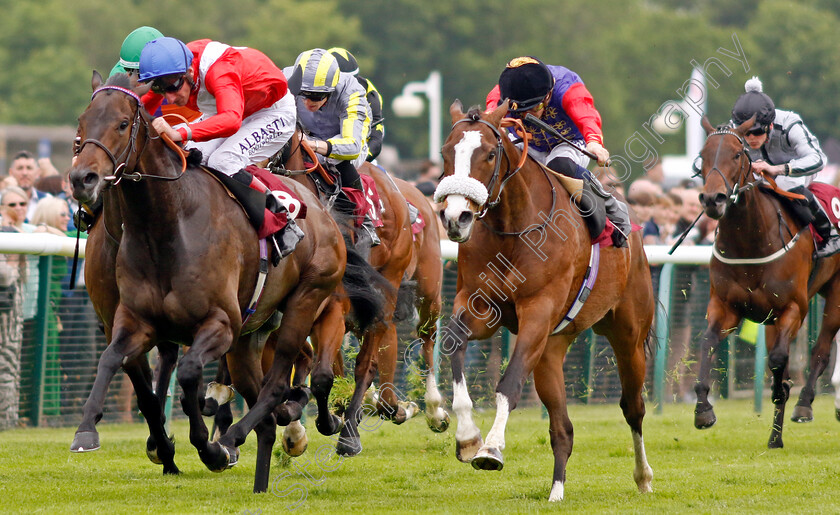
(260, 136)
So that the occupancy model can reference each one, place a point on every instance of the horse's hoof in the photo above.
(210, 407)
(85, 441)
(704, 419)
(438, 425)
(333, 425)
(221, 393)
(227, 458)
(348, 446)
(173, 470)
(775, 442)
(294, 440)
(465, 451)
(152, 450)
(837, 413)
(488, 458)
(407, 410)
(802, 414)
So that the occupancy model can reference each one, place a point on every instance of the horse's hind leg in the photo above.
(630, 356)
(327, 335)
(550, 384)
(835, 377)
(721, 321)
(429, 309)
(820, 354)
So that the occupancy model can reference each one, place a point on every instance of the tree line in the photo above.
(633, 55)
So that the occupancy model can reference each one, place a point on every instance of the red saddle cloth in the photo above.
(605, 238)
(367, 202)
(275, 222)
(829, 197)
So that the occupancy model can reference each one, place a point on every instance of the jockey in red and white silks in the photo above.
(248, 114)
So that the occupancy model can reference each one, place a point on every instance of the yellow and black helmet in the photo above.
(346, 62)
(315, 71)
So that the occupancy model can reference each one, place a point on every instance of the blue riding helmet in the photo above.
(164, 56)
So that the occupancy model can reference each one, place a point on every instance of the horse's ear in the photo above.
(96, 80)
(707, 126)
(744, 127)
(456, 111)
(495, 117)
(141, 88)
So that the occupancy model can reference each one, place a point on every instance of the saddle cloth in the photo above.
(367, 202)
(273, 222)
(829, 197)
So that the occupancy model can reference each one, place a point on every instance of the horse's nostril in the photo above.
(720, 198)
(465, 218)
(90, 179)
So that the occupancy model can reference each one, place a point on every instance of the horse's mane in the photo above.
(474, 113)
(120, 80)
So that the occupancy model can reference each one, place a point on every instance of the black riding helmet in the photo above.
(525, 81)
(754, 102)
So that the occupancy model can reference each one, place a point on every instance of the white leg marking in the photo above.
(496, 436)
(433, 398)
(556, 494)
(835, 377)
(462, 406)
(643, 474)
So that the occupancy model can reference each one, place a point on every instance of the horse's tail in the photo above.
(406, 298)
(366, 289)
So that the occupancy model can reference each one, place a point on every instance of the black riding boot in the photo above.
(827, 231)
(366, 235)
(284, 241)
(616, 211)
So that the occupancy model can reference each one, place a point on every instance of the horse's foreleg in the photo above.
(130, 340)
(803, 412)
(530, 343)
(721, 322)
(159, 448)
(349, 441)
(778, 352)
(327, 335)
(453, 341)
(211, 341)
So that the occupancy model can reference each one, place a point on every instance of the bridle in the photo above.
(495, 177)
(740, 183)
(120, 164)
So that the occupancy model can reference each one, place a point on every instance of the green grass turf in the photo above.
(727, 468)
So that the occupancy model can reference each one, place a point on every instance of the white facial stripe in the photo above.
(470, 141)
(455, 205)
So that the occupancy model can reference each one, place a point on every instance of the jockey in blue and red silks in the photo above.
(558, 97)
(247, 111)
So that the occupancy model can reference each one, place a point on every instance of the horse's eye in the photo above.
(738, 155)
(491, 156)
(124, 125)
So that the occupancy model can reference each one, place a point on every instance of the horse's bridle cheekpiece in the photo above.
(732, 192)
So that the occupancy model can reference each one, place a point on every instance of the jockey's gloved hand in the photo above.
(600, 152)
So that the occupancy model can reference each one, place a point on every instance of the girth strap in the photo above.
(585, 289)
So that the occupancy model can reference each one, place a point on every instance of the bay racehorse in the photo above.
(187, 266)
(522, 261)
(403, 259)
(762, 270)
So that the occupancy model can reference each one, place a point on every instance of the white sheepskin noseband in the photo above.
(460, 185)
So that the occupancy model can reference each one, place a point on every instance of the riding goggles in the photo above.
(161, 86)
(314, 96)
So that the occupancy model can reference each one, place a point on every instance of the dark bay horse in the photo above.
(401, 258)
(186, 268)
(762, 269)
(522, 259)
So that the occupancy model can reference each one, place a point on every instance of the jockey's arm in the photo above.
(355, 126)
(809, 157)
(580, 106)
(226, 87)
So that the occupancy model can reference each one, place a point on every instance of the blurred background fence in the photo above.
(62, 342)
